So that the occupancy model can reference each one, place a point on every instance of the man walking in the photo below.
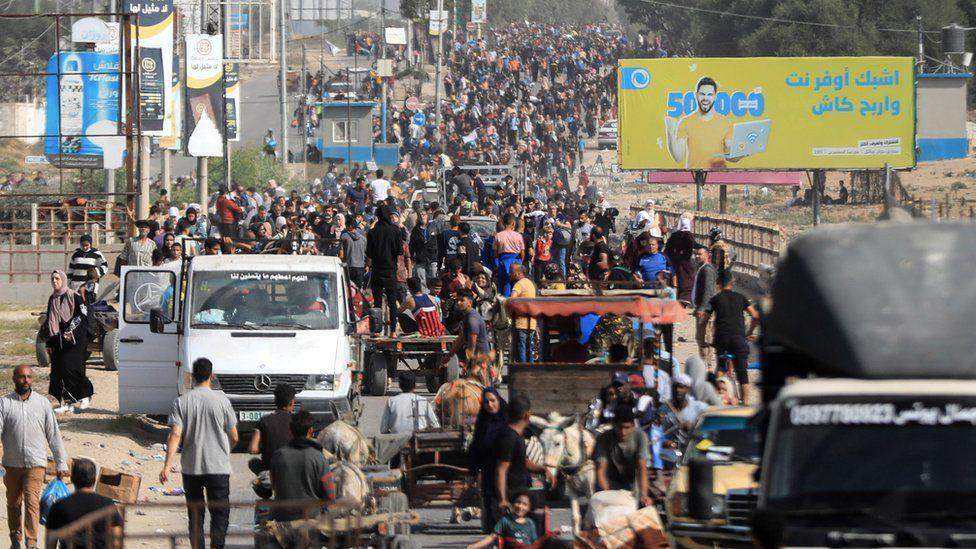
(524, 325)
(731, 335)
(204, 422)
(701, 294)
(84, 258)
(27, 429)
(272, 431)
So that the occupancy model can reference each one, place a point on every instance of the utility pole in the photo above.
(225, 19)
(921, 46)
(203, 166)
(383, 79)
(437, 73)
(283, 76)
(110, 173)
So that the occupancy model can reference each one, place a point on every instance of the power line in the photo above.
(775, 19)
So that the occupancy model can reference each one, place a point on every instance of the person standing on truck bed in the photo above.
(731, 335)
(353, 251)
(384, 243)
(204, 423)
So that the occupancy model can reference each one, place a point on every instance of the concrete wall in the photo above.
(23, 119)
(24, 289)
(941, 104)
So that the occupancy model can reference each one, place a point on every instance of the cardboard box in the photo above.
(122, 487)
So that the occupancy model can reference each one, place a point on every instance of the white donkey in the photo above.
(565, 449)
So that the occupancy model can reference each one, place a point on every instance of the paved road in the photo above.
(435, 531)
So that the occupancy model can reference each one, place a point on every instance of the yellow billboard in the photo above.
(783, 113)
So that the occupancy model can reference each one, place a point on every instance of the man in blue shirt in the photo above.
(653, 262)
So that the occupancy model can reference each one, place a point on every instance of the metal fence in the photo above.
(37, 238)
(756, 243)
(343, 525)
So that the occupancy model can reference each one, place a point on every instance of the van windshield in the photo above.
(264, 300)
(844, 455)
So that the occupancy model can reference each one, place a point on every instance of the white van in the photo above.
(261, 319)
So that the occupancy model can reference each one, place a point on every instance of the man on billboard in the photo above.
(702, 139)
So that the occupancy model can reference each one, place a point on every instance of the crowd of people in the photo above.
(529, 97)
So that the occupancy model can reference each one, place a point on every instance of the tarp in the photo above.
(656, 311)
(727, 178)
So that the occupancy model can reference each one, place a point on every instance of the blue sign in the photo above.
(634, 78)
(83, 108)
(420, 118)
(239, 21)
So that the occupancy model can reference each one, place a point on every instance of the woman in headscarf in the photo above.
(490, 423)
(680, 249)
(67, 342)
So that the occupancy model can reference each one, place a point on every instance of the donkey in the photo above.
(565, 449)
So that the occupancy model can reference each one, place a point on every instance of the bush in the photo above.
(250, 167)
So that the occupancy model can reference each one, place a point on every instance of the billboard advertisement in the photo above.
(153, 29)
(82, 105)
(204, 95)
(782, 113)
(232, 100)
(479, 11)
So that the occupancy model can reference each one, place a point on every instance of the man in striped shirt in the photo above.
(84, 258)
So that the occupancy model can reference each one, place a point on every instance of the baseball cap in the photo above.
(174, 211)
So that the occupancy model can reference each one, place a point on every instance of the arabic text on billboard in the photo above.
(767, 113)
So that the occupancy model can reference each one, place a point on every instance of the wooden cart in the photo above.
(380, 357)
(435, 469)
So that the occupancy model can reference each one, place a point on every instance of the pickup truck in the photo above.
(261, 319)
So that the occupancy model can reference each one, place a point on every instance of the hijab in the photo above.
(701, 389)
(486, 429)
(61, 307)
(684, 222)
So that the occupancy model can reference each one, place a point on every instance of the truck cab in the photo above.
(261, 320)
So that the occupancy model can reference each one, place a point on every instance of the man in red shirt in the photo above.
(227, 212)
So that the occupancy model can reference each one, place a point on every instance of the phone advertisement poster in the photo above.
(759, 113)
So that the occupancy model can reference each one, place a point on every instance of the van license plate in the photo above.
(251, 415)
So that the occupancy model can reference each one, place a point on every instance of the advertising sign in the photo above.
(204, 95)
(154, 30)
(767, 113)
(396, 36)
(171, 140)
(437, 23)
(232, 100)
(83, 107)
(479, 11)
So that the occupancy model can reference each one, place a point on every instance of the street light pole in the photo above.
(437, 72)
(283, 77)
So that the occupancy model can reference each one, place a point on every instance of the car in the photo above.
(726, 438)
(606, 138)
(481, 225)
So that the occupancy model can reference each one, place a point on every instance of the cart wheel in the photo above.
(110, 350)
(40, 350)
(452, 371)
(377, 374)
(395, 502)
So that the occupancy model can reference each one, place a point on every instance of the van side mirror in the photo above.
(700, 488)
(157, 321)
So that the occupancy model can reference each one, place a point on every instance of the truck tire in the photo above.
(110, 350)
(40, 350)
(377, 374)
(395, 502)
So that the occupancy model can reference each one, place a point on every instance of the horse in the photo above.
(565, 449)
(457, 400)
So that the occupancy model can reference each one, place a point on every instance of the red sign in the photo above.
(470, 26)
(412, 103)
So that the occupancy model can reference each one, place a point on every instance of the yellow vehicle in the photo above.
(724, 437)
